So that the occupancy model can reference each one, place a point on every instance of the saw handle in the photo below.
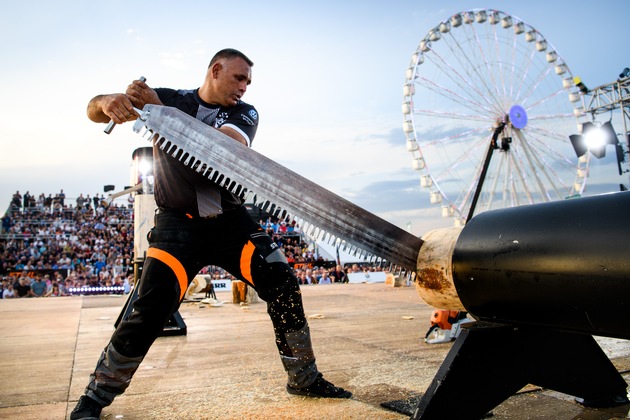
(110, 126)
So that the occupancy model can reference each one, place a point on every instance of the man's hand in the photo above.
(116, 107)
(140, 94)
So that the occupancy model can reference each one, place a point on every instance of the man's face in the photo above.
(231, 80)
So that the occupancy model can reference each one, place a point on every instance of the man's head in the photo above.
(227, 78)
(230, 53)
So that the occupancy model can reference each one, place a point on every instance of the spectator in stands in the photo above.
(9, 292)
(48, 203)
(338, 275)
(40, 202)
(301, 275)
(54, 291)
(310, 278)
(6, 223)
(80, 201)
(282, 229)
(324, 278)
(16, 201)
(22, 287)
(68, 283)
(38, 287)
(61, 197)
(26, 200)
(126, 285)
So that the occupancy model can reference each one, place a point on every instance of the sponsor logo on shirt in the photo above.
(247, 120)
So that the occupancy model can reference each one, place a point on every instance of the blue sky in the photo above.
(327, 82)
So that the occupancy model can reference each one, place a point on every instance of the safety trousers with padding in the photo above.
(178, 248)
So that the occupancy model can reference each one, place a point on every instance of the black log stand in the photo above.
(488, 363)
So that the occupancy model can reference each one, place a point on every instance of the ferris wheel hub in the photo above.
(518, 117)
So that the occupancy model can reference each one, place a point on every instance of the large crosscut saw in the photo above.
(276, 189)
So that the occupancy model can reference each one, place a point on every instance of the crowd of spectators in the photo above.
(50, 247)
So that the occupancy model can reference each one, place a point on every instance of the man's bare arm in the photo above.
(234, 134)
(116, 107)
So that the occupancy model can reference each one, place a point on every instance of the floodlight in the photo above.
(594, 138)
(609, 133)
(578, 144)
(142, 165)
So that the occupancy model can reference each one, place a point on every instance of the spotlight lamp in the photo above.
(594, 138)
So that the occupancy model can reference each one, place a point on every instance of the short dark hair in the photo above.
(230, 53)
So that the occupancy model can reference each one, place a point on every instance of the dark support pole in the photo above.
(488, 363)
(484, 171)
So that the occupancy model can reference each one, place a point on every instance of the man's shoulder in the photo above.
(245, 108)
(184, 99)
(246, 112)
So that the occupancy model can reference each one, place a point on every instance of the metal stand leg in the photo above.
(488, 363)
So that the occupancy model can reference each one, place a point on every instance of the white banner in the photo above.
(367, 277)
(222, 285)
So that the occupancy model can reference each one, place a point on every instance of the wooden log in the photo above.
(239, 291)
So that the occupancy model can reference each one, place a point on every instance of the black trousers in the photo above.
(179, 247)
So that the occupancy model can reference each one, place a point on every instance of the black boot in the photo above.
(86, 409)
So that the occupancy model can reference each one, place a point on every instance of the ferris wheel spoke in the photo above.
(543, 100)
(486, 62)
(551, 117)
(474, 74)
(495, 181)
(550, 158)
(451, 115)
(507, 199)
(543, 140)
(536, 168)
(462, 159)
(521, 180)
(447, 93)
(533, 88)
(473, 70)
(452, 73)
(522, 83)
(543, 166)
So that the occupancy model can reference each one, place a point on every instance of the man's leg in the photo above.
(267, 269)
(159, 294)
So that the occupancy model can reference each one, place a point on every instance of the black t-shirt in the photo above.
(181, 188)
(21, 289)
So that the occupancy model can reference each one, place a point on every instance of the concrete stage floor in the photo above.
(367, 337)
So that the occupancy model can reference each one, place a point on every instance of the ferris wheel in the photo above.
(488, 107)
